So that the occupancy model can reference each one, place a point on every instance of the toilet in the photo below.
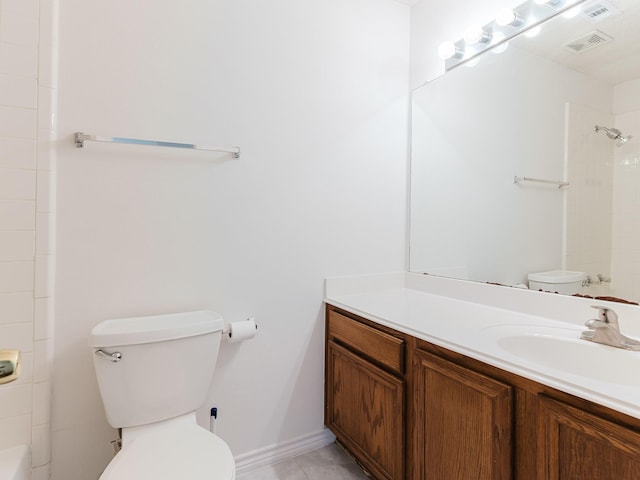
(560, 281)
(153, 373)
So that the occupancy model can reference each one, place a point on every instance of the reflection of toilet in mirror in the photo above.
(560, 281)
(153, 373)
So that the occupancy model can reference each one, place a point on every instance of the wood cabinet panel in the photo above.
(463, 423)
(576, 445)
(365, 409)
(525, 461)
(379, 346)
(460, 418)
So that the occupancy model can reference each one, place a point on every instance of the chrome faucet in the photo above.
(606, 330)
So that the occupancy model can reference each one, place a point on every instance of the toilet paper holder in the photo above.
(240, 331)
(10, 361)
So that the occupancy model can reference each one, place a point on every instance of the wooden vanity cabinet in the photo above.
(577, 445)
(463, 427)
(406, 408)
(365, 394)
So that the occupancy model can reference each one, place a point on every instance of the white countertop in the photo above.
(476, 319)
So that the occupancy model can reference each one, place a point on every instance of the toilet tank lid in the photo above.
(557, 276)
(155, 328)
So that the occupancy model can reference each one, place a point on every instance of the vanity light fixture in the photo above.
(501, 44)
(475, 35)
(448, 50)
(495, 35)
(532, 32)
(472, 63)
(551, 3)
(572, 12)
(509, 17)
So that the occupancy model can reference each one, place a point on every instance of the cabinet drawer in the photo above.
(380, 347)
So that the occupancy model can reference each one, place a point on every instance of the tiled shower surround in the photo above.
(27, 218)
(603, 230)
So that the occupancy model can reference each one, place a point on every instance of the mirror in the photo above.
(532, 112)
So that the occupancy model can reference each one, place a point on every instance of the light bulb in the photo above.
(572, 12)
(532, 32)
(552, 3)
(476, 35)
(497, 38)
(448, 50)
(508, 17)
(472, 63)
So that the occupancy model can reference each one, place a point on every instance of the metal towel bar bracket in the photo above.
(80, 138)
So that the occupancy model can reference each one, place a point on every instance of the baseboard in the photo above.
(283, 451)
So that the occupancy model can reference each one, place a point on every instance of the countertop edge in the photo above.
(609, 400)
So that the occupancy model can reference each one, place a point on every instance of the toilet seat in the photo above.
(186, 452)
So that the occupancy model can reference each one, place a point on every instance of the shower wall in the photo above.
(27, 170)
(590, 196)
(603, 225)
(626, 193)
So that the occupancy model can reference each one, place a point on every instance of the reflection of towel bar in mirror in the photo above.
(560, 184)
(81, 137)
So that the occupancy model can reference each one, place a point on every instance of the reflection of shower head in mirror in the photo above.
(614, 134)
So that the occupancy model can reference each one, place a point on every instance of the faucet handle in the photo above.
(595, 323)
(605, 314)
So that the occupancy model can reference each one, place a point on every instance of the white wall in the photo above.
(27, 166)
(315, 94)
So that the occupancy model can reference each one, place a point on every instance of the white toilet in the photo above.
(153, 372)
(560, 281)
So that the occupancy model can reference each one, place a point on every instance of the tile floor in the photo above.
(326, 463)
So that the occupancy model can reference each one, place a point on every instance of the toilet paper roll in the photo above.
(240, 331)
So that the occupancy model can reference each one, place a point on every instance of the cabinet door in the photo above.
(576, 445)
(463, 423)
(365, 409)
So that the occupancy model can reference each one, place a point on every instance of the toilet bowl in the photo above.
(153, 372)
(175, 449)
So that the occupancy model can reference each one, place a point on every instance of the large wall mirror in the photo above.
(532, 111)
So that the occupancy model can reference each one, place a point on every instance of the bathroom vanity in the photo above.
(421, 385)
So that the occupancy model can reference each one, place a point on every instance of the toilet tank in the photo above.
(561, 281)
(164, 369)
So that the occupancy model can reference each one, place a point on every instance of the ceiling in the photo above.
(615, 61)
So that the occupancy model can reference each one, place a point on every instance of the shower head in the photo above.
(614, 134)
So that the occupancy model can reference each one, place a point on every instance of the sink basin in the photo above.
(562, 349)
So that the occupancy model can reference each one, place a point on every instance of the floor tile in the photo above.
(335, 472)
(332, 454)
(287, 470)
(326, 463)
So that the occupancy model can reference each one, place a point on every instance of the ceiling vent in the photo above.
(587, 42)
(599, 11)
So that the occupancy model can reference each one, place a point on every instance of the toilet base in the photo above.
(174, 448)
